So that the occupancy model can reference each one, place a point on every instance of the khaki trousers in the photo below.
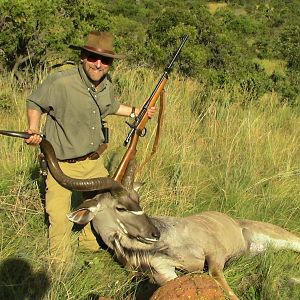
(58, 205)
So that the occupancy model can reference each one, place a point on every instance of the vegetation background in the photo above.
(230, 140)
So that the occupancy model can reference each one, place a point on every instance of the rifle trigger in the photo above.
(143, 132)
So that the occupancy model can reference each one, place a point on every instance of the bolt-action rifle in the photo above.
(138, 128)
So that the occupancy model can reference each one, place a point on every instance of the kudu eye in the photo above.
(156, 234)
(121, 208)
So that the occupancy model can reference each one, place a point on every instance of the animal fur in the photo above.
(190, 243)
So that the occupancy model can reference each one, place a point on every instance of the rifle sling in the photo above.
(158, 130)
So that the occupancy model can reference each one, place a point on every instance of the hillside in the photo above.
(253, 43)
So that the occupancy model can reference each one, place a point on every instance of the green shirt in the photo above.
(73, 123)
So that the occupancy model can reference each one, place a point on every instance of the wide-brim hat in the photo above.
(101, 43)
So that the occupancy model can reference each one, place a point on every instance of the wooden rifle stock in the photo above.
(128, 156)
(139, 126)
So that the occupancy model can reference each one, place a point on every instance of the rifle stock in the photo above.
(139, 125)
(142, 124)
(128, 156)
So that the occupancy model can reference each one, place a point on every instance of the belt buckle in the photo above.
(94, 156)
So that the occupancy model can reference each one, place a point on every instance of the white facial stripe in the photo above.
(137, 212)
(151, 240)
(122, 226)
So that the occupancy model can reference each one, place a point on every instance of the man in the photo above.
(75, 102)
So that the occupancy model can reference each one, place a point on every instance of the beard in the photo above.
(95, 74)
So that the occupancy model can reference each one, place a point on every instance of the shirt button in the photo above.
(92, 143)
(94, 111)
(93, 128)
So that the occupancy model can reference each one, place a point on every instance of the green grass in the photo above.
(219, 150)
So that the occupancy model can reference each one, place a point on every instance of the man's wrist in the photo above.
(33, 130)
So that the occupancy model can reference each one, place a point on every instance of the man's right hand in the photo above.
(35, 139)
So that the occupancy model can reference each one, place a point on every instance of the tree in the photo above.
(36, 34)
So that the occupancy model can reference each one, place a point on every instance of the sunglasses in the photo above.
(92, 58)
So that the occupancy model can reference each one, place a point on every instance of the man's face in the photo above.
(95, 66)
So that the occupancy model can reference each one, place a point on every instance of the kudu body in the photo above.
(187, 243)
(209, 238)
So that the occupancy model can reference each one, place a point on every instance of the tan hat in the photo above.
(100, 43)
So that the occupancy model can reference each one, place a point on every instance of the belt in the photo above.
(92, 156)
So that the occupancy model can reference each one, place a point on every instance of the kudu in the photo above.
(187, 243)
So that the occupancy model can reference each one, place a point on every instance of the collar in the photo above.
(88, 83)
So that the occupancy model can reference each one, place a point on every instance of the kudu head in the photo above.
(117, 214)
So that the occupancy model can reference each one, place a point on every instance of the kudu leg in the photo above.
(216, 271)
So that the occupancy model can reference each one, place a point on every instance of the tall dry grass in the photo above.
(220, 149)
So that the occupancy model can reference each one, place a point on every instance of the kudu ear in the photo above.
(85, 212)
(137, 185)
(81, 216)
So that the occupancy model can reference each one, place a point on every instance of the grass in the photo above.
(219, 150)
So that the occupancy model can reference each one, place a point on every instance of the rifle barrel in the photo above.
(154, 92)
(169, 67)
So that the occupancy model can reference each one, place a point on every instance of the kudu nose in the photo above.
(156, 234)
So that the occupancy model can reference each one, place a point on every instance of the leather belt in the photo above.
(92, 156)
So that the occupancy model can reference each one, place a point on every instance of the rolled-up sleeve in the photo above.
(41, 98)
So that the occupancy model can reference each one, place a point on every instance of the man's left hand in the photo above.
(151, 112)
